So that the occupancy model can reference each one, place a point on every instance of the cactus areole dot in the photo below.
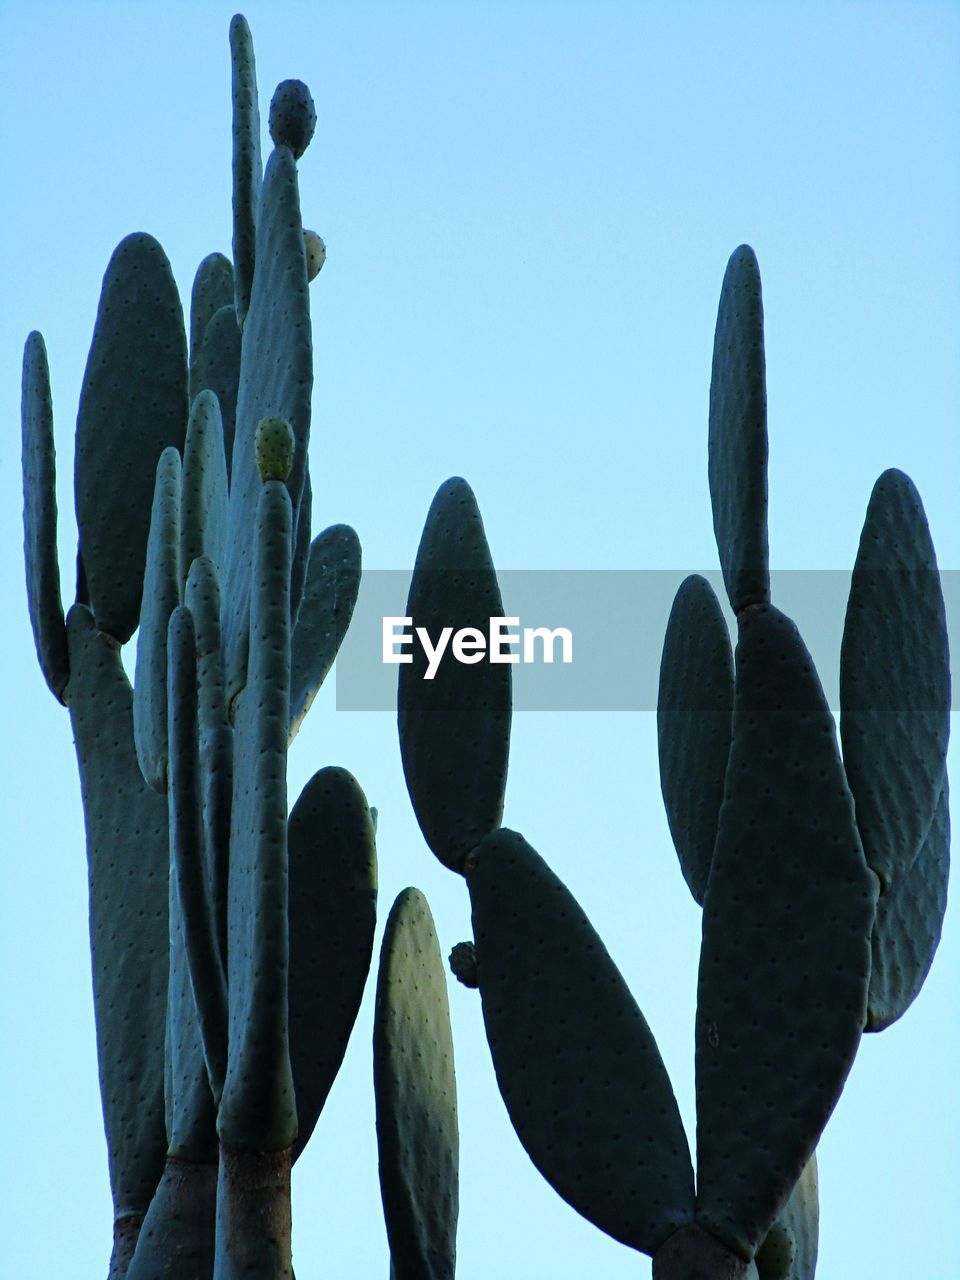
(274, 444)
(293, 117)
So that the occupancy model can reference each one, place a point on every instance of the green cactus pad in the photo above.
(177, 1237)
(202, 597)
(198, 1018)
(333, 581)
(274, 445)
(694, 724)
(908, 926)
(212, 289)
(738, 434)
(416, 1095)
(127, 858)
(293, 116)
(203, 505)
(316, 254)
(785, 960)
(333, 914)
(895, 679)
(133, 404)
(257, 1109)
(455, 728)
(276, 379)
(40, 518)
(247, 164)
(789, 1250)
(161, 595)
(577, 1065)
(218, 370)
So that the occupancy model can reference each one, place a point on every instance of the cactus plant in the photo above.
(822, 877)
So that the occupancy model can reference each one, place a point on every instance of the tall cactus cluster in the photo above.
(821, 866)
(230, 939)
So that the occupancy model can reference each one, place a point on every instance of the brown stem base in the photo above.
(253, 1216)
(125, 1233)
(694, 1254)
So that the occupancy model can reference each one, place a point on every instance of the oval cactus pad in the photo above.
(738, 434)
(895, 679)
(785, 960)
(454, 727)
(578, 1067)
(694, 719)
(416, 1095)
(133, 404)
(212, 289)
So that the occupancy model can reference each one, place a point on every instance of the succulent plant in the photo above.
(822, 875)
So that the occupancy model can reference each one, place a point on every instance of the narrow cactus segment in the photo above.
(276, 379)
(257, 1110)
(202, 598)
(333, 581)
(785, 960)
(161, 596)
(133, 404)
(416, 1095)
(789, 1251)
(577, 1065)
(895, 679)
(177, 1237)
(247, 165)
(738, 434)
(908, 926)
(212, 289)
(293, 116)
(333, 914)
(40, 518)
(694, 724)
(218, 370)
(203, 505)
(455, 727)
(301, 548)
(126, 829)
(202, 1002)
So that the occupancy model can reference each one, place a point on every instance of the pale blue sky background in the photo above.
(528, 209)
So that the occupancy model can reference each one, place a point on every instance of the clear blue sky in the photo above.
(528, 209)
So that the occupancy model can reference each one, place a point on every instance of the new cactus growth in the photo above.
(822, 875)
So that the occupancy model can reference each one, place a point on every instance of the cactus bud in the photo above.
(293, 117)
(274, 443)
(463, 964)
(316, 253)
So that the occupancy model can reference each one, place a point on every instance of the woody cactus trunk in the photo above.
(230, 940)
(821, 866)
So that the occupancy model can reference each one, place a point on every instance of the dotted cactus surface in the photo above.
(218, 370)
(198, 990)
(790, 1250)
(293, 116)
(895, 679)
(785, 960)
(333, 914)
(161, 595)
(416, 1096)
(127, 859)
(40, 517)
(577, 1065)
(176, 1241)
(455, 728)
(257, 1109)
(333, 581)
(276, 379)
(212, 289)
(133, 404)
(737, 464)
(203, 504)
(247, 163)
(908, 926)
(694, 724)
